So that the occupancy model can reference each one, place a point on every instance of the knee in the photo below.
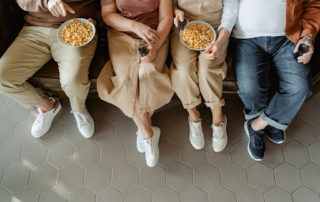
(73, 83)
(301, 89)
(4, 73)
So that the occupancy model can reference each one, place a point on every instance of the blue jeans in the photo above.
(253, 59)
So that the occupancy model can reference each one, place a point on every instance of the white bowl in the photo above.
(197, 22)
(60, 39)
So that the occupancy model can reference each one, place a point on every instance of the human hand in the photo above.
(58, 8)
(305, 58)
(179, 17)
(151, 54)
(149, 35)
(213, 51)
(92, 21)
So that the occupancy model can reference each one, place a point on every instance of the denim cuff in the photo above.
(251, 116)
(273, 123)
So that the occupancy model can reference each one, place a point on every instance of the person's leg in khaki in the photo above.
(26, 55)
(74, 66)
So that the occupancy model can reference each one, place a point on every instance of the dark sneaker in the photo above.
(275, 135)
(256, 145)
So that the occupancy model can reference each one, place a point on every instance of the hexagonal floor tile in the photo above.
(22, 132)
(249, 194)
(6, 130)
(221, 194)
(152, 179)
(98, 177)
(207, 177)
(300, 128)
(61, 154)
(9, 153)
(273, 155)
(55, 134)
(16, 113)
(229, 173)
(84, 195)
(178, 133)
(113, 153)
(5, 196)
(71, 178)
(193, 194)
(218, 159)
(165, 194)
(135, 158)
(126, 132)
(16, 177)
(43, 177)
(308, 111)
(240, 154)
(314, 150)
(169, 153)
(87, 153)
(72, 135)
(287, 177)
(179, 177)
(111, 194)
(3, 109)
(125, 177)
(235, 132)
(296, 154)
(191, 157)
(311, 176)
(260, 177)
(52, 196)
(104, 132)
(137, 195)
(277, 194)
(26, 195)
(303, 194)
(34, 154)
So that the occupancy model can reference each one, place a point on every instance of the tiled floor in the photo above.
(62, 166)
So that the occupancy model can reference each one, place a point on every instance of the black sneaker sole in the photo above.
(247, 132)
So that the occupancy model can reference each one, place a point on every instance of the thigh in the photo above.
(26, 55)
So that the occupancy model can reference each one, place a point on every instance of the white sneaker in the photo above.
(140, 143)
(85, 123)
(44, 120)
(219, 137)
(151, 147)
(196, 136)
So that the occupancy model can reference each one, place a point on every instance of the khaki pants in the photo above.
(191, 72)
(33, 48)
(124, 74)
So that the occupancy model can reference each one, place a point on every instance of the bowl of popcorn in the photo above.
(76, 32)
(197, 35)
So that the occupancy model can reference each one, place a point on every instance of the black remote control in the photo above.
(303, 48)
(182, 24)
(143, 49)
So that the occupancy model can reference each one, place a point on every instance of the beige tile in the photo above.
(314, 150)
(55, 134)
(26, 195)
(72, 135)
(125, 177)
(15, 177)
(169, 153)
(43, 177)
(70, 178)
(316, 98)
(179, 177)
(113, 153)
(1, 173)
(152, 179)
(84, 195)
(287, 177)
(52, 196)
(229, 173)
(218, 159)
(126, 132)
(193, 194)
(296, 154)
(273, 155)
(98, 177)
(135, 158)
(221, 194)
(87, 153)
(311, 111)
(137, 195)
(97, 109)
(207, 177)
(248, 194)
(277, 194)
(235, 132)
(166, 116)
(165, 194)
(22, 132)
(191, 157)
(104, 132)
(260, 177)
(34, 154)
(17, 113)
(5, 196)
(6, 131)
(9, 153)
(114, 114)
(178, 133)
(61, 154)
(6, 100)
(65, 116)
(303, 131)
(239, 153)
(234, 111)
(304, 194)
(311, 176)
(110, 195)
(3, 110)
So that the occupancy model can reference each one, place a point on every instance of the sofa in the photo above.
(47, 78)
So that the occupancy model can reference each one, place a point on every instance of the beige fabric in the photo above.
(124, 74)
(191, 72)
(33, 48)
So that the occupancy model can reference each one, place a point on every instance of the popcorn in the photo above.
(197, 36)
(76, 33)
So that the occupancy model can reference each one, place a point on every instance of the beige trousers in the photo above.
(33, 48)
(192, 75)
(125, 74)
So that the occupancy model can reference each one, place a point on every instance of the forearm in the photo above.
(33, 5)
(118, 22)
(164, 28)
(229, 15)
(224, 35)
(311, 18)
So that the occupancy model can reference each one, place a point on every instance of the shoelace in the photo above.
(149, 149)
(196, 131)
(82, 118)
(219, 133)
(41, 118)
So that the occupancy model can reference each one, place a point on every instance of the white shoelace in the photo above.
(41, 118)
(82, 118)
(149, 149)
(218, 132)
(196, 130)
